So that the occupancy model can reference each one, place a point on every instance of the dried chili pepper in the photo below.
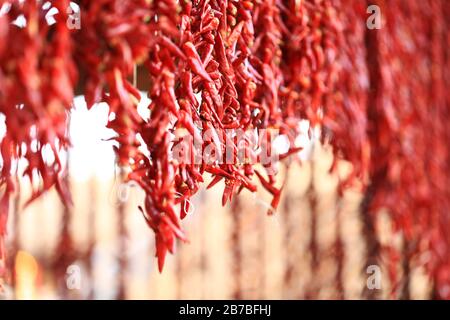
(216, 68)
(37, 76)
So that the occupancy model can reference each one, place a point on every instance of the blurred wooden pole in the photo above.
(203, 247)
(406, 281)
(372, 40)
(92, 235)
(65, 251)
(236, 243)
(15, 245)
(122, 245)
(370, 238)
(262, 254)
(313, 245)
(179, 274)
(121, 223)
(339, 250)
(287, 239)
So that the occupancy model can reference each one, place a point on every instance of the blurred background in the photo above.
(314, 247)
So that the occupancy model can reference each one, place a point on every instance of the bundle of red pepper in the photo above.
(37, 74)
(407, 114)
(224, 76)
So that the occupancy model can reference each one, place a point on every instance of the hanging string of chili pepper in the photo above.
(235, 65)
(65, 253)
(404, 120)
(438, 134)
(37, 75)
(345, 109)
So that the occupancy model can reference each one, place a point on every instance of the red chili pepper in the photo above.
(195, 62)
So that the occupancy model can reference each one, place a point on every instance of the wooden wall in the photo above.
(235, 251)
